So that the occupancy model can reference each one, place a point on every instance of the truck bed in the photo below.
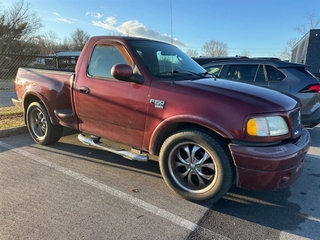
(55, 85)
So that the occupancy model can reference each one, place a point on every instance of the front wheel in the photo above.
(196, 165)
(40, 127)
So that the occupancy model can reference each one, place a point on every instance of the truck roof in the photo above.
(121, 38)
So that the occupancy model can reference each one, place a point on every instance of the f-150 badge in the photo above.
(158, 103)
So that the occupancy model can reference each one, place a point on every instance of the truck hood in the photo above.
(260, 99)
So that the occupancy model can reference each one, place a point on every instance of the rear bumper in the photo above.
(17, 103)
(270, 168)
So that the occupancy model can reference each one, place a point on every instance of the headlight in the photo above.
(267, 126)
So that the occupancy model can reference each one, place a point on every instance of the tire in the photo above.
(196, 165)
(40, 127)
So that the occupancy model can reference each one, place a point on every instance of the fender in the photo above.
(185, 119)
(29, 98)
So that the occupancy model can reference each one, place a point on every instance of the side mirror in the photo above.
(122, 72)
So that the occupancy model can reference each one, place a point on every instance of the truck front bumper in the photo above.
(270, 168)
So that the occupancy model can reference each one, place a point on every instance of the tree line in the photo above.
(19, 31)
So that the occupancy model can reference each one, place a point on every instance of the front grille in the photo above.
(296, 123)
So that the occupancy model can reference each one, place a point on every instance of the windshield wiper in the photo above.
(177, 75)
(201, 75)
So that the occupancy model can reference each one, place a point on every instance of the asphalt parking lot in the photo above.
(70, 191)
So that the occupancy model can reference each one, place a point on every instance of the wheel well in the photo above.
(169, 130)
(27, 101)
(30, 99)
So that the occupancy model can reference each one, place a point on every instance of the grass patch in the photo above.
(11, 122)
(9, 110)
(11, 117)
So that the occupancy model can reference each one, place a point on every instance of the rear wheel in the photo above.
(40, 127)
(196, 165)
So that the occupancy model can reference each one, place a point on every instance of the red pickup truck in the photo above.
(151, 97)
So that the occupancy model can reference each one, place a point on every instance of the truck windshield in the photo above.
(167, 61)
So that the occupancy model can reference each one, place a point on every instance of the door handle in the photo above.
(83, 89)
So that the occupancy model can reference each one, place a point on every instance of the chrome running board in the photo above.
(126, 154)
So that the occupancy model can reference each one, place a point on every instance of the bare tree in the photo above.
(52, 42)
(302, 29)
(312, 23)
(79, 39)
(286, 53)
(192, 53)
(114, 33)
(47, 43)
(18, 25)
(245, 53)
(64, 45)
(215, 48)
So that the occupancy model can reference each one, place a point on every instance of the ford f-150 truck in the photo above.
(149, 96)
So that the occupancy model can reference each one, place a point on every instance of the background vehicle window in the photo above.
(260, 75)
(102, 60)
(245, 73)
(274, 74)
(214, 70)
(168, 63)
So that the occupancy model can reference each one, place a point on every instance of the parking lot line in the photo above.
(314, 156)
(124, 196)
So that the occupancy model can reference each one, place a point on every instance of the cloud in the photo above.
(94, 14)
(135, 28)
(62, 19)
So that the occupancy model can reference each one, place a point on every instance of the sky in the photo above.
(259, 27)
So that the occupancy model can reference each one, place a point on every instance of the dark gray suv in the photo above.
(286, 77)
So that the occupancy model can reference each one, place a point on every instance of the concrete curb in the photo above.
(13, 131)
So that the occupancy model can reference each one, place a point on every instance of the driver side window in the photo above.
(102, 60)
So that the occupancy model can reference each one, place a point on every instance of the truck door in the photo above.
(108, 107)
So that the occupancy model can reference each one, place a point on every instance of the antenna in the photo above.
(171, 21)
(172, 68)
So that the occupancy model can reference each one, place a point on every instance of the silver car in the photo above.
(286, 77)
